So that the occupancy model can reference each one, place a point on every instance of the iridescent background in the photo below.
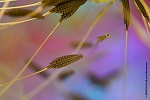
(98, 76)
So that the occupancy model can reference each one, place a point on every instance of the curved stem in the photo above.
(24, 68)
(24, 77)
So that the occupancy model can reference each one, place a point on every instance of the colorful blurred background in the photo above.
(98, 76)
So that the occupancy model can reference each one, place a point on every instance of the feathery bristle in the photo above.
(64, 61)
(126, 11)
(22, 12)
(143, 8)
(67, 8)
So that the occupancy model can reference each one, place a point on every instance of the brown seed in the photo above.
(67, 8)
(64, 61)
(102, 38)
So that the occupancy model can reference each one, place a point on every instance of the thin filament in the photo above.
(7, 0)
(36, 90)
(3, 10)
(25, 76)
(24, 6)
(125, 64)
(27, 64)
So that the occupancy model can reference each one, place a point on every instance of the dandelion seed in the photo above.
(56, 63)
(66, 74)
(22, 12)
(64, 61)
(67, 8)
(102, 38)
